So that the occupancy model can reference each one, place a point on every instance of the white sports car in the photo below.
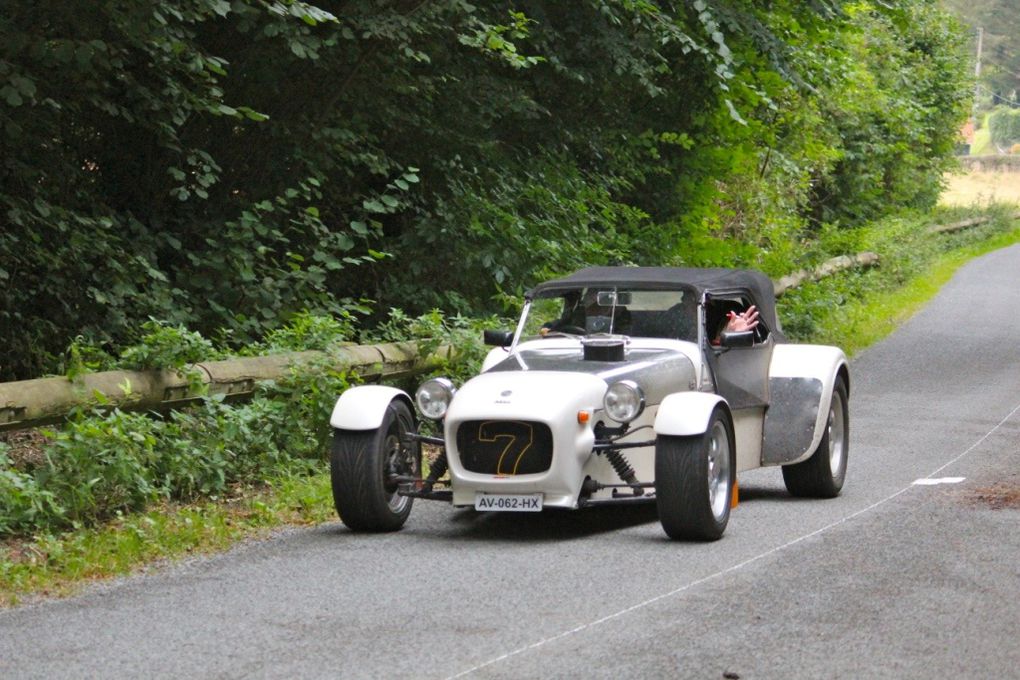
(631, 391)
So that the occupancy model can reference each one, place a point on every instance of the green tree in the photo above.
(999, 24)
(225, 165)
(900, 99)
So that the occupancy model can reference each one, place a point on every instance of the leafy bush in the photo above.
(166, 346)
(98, 465)
(24, 506)
(432, 329)
(101, 464)
(905, 248)
(306, 330)
(1004, 124)
(104, 463)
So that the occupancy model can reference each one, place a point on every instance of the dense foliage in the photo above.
(1004, 126)
(105, 461)
(223, 165)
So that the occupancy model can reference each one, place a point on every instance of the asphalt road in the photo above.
(891, 579)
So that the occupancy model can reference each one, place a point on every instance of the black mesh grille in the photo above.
(505, 447)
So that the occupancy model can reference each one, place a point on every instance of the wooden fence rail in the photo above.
(827, 268)
(966, 224)
(29, 403)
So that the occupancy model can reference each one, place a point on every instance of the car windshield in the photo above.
(626, 311)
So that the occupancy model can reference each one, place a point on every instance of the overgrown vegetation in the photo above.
(821, 312)
(57, 564)
(86, 499)
(1004, 127)
(222, 166)
(102, 463)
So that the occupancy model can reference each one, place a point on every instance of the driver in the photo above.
(735, 322)
(572, 319)
(586, 315)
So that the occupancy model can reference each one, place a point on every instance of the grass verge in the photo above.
(61, 565)
(863, 322)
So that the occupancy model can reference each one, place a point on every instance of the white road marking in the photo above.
(938, 480)
(736, 567)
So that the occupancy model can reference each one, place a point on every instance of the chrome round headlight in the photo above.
(624, 401)
(433, 397)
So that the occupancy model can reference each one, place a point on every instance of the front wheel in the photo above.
(822, 475)
(694, 479)
(362, 468)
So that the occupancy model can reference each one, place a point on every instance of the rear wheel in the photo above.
(362, 467)
(822, 475)
(694, 480)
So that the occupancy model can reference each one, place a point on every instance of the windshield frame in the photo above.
(581, 292)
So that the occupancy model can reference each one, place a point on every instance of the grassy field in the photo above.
(982, 188)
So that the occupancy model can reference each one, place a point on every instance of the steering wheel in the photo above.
(567, 330)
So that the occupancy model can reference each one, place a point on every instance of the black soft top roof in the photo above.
(717, 281)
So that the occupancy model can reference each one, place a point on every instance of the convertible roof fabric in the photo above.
(717, 281)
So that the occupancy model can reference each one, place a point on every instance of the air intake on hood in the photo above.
(604, 349)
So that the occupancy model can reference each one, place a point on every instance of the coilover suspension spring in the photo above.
(439, 467)
(624, 470)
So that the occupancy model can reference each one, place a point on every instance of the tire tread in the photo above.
(356, 479)
(680, 486)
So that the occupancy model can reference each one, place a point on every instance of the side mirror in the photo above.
(737, 339)
(498, 338)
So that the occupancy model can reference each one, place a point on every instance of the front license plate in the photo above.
(509, 502)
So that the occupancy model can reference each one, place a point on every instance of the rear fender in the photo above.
(683, 414)
(363, 407)
(801, 380)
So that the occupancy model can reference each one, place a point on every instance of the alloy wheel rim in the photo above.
(719, 470)
(837, 434)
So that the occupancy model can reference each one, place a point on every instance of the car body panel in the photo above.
(803, 377)
(742, 374)
(686, 414)
(748, 431)
(661, 367)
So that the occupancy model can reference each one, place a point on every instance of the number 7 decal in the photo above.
(519, 440)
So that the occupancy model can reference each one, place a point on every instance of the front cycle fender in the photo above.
(684, 414)
(364, 407)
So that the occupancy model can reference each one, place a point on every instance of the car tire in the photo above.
(694, 479)
(360, 462)
(822, 475)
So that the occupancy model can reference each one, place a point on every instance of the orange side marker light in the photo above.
(583, 417)
(735, 497)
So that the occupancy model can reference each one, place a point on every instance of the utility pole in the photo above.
(977, 64)
(981, 40)
(977, 83)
